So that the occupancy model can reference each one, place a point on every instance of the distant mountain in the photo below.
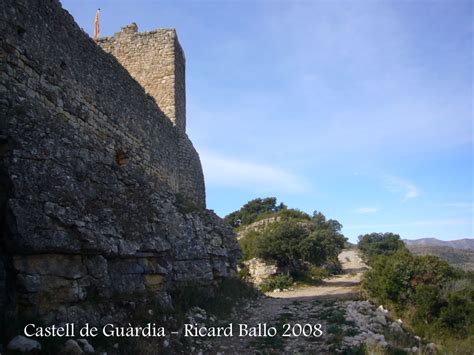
(462, 258)
(456, 244)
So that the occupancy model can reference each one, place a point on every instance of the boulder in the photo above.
(86, 346)
(260, 270)
(396, 328)
(72, 347)
(431, 348)
(23, 344)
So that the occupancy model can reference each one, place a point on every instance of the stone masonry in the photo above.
(156, 60)
(102, 198)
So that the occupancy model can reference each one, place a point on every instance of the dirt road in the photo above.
(344, 286)
(299, 307)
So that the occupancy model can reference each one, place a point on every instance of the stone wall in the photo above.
(101, 197)
(156, 60)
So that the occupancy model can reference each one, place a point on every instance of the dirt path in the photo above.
(309, 306)
(344, 286)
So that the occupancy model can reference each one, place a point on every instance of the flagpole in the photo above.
(96, 25)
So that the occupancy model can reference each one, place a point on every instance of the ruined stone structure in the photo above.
(156, 60)
(101, 197)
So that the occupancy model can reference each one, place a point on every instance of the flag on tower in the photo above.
(96, 25)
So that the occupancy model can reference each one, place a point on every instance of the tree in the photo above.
(280, 242)
(380, 244)
(290, 242)
(252, 210)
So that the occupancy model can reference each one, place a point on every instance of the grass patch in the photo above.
(313, 276)
(270, 344)
(220, 301)
(277, 282)
(333, 315)
(285, 316)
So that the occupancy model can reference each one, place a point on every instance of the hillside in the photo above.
(466, 243)
(462, 258)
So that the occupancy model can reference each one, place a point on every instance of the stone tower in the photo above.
(156, 60)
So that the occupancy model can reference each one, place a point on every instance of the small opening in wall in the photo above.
(3, 145)
(62, 65)
(121, 158)
(20, 30)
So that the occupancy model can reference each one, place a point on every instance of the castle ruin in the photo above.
(156, 60)
(102, 199)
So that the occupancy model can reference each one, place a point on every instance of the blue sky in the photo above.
(359, 109)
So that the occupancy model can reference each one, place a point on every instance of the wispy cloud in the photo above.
(365, 210)
(461, 205)
(227, 171)
(397, 185)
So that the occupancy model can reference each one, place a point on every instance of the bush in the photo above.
(261, 208)
(292, 243)
(280, 242)
(436, 298)
(292, 213)
(321, 246)
(248, 244)
(458, 314)
(380, 244)
(312, 275)
(389, 280)
(292, 240)
(276, 281)
(218, 300)
(252, 210)
(428, 303)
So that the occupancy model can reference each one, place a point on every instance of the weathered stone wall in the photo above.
(102, 198)
(156, 60)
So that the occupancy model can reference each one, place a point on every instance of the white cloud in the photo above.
(398, 185)
(365, 210)
(226, 171)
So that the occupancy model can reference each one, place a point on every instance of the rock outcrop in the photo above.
(259, 270)
(102, 198)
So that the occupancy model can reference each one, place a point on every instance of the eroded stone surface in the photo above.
(102, 198)
(260, 270)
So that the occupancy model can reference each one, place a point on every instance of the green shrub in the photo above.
(290, 243)
(436, 299)
(321, 245)
(248, 244)
(318, 273)
(281, 281)
(280, 242)
(312, 275)
(458, 314)
(218, 300)
(333, 266)
(375, 244)
(389, 280)
(428, 303)
(252, 210)
(293, 213)
(292, 240)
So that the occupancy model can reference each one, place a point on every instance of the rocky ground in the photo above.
(325, 319)
(347, 323)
